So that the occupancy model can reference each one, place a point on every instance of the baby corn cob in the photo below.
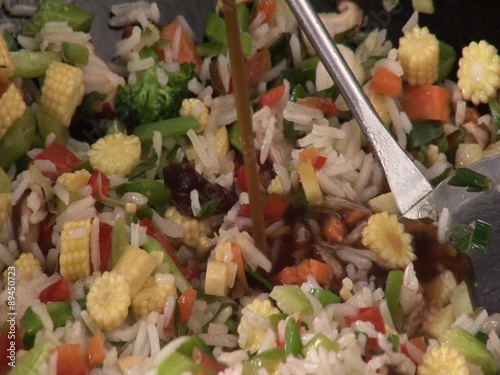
(115, 154)
(418, 53)
(75, 250)
(74, 181)
(222, 140)
(443, 359)
(6, 65)
(27, 267)
(108, 300)
(479, 72)
(196, 108)
(12, 107)
(62, 91)
(151, 297)
(386, 237)
(5, 209)
(196, 231)
(136, 265)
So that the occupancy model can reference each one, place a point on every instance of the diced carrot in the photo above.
(240, 270)
(386, 82)
(289, 276)
(266, 7)
(187, 51)
(207, 363)
(186, 303)
(310, 153)
(258, 65)
(334, 230)
(95, 350)
(271, 97)
(303, 270)
(275, 207)
(325, 105)
(427, 102)
(71, 360)
(320, 271)
(354, 217)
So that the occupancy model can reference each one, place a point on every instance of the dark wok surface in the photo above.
(457, 22)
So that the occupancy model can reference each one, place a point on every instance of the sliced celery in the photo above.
(29, 363)
(325, 297)
(155, 191)
(393, 292)
(174, 127)
(320, 340)
(119, 240)
(32, 64)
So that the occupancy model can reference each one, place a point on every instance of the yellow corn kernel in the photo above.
(479, 72)
(218, 278)
(74, 181)
(27, 267)
(222, 140)
(252, 332)
(62, 91)
(108, 300)
(115, 154)
(378, 103)
(126, 363)
(135, 265)
(152, 297)
(5, 208)
(75, 250)
(6, 65)
(195, 231)
(442, 359)
(418, 53)
(12, 106)
(386, 237)
(198, 109)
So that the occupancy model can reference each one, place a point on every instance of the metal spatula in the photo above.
(414, 195)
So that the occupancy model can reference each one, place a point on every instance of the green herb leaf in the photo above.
(481, 236)
(460, 237)
(447, 57)
(423, 133)
(145, 165)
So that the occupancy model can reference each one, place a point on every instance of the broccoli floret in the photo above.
(148, 101)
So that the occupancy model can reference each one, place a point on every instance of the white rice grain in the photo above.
(443, 225)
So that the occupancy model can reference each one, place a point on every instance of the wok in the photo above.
(456, 22)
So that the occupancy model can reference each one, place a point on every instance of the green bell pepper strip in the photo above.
(119, 240)
(155, 191)
(325, 297)
(293, 341)
(59, 312)
(17, 140)
(320, 340)
(392, 294)
(291, 299)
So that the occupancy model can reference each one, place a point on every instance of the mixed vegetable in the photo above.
(125, 214)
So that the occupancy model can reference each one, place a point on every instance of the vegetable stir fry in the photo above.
(126, 241)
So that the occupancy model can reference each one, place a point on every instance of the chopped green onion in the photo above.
(32, 64)
(481, 236)
(209, 208)
(119, 240)
(393, 293)
(155, 191)
(460, 237)
(291, 299)
(495, 112)
(320, 340)
(17, 140)
(75, 53)
(394, 340)
(234, 136)
(473, 181)
(180, 281)
(47, 125)
(293, 341)
(259, 279)
(325, 297)
(280, 49)
(170, 128)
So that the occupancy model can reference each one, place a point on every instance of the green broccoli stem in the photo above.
(58, 11)
(174, 127)
(32, 64)
(180, 281)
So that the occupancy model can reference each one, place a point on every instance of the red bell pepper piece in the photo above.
(368, 314)
(63, 159)
(271, 97)
(57, 292)
(153, 231)
(100, 185)
(105, 231)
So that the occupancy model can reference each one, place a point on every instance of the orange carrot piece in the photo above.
(71, 360)
(320, 271)
(95, 350)
(186, 303)
(427, 102)
(309, 153)
(386, 82)
(289, 276)
(258, 65)
(240, 270)
(266, 7)
(334, 230)
(187, 51)
(303, 270)
(354, 217)
(275, 207)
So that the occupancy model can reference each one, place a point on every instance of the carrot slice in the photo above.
(266, 7)
(187, 51)
(258, 65)
(426, 102)
(275, 207)
(71, 360)
(186, 303)
(334, 230)
(386, 82)
(95, 350)
(320, 271)
(240, 270)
